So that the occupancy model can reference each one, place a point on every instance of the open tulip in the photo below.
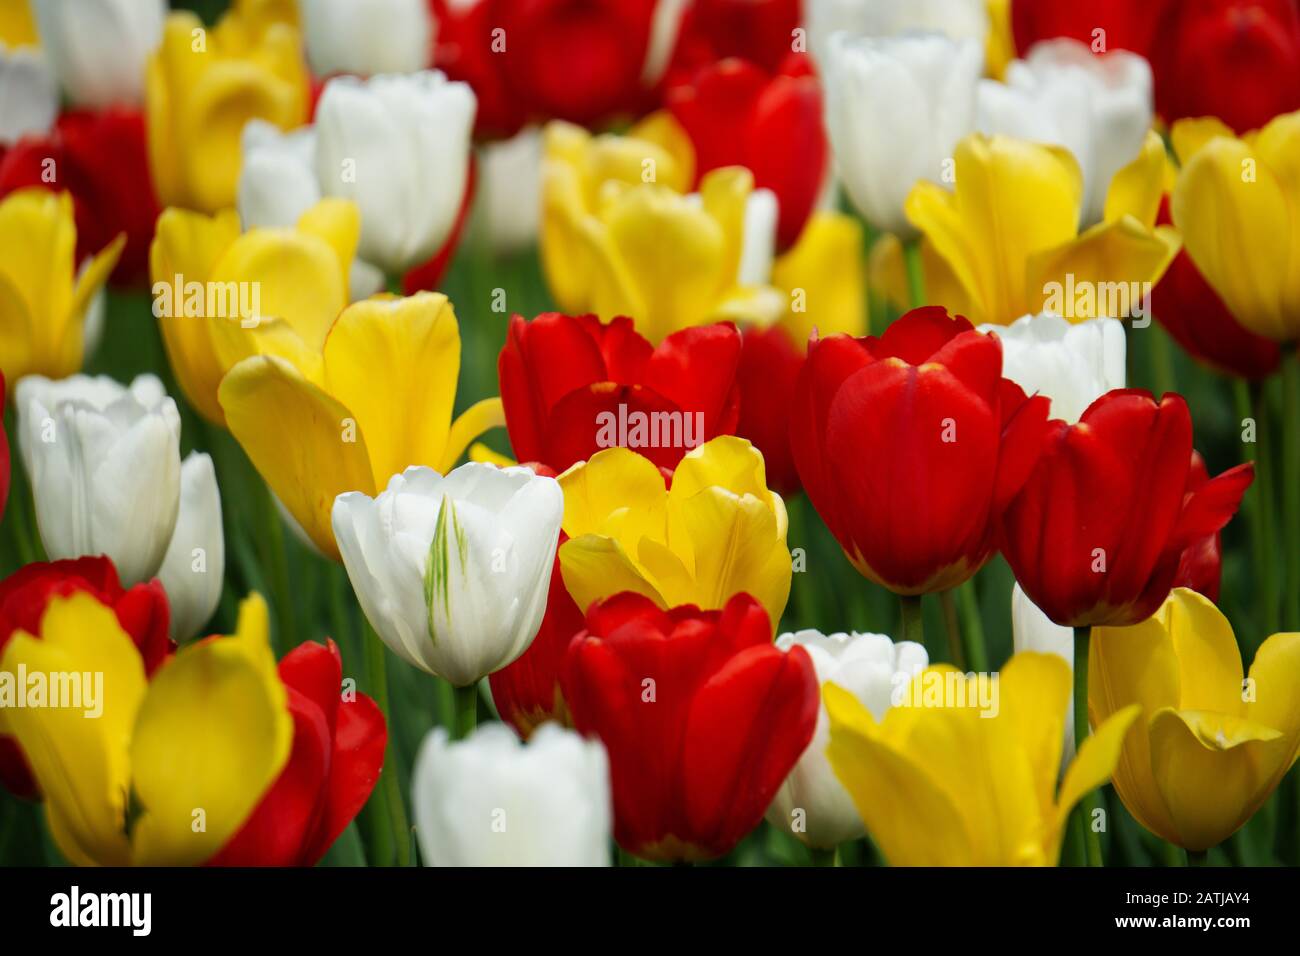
(29, 94)
(572, 385)
(1097, 533)
(812, 803)
(452, 572)
(141, 611)
(338, 751)
(952, 784)
(45, 301)
(375, 398)
(491, 800)
(911, 445)
(388, 36)
(201, 87)
(715, 532)
(198, 742)
(702, 716)
(1235, 203)
(1209, 747)
(98, 48)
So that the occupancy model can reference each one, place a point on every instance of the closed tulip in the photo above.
(452, 572)
(44, 316)
(1097, 533)
(770, 362)
(716, 531)
(966, 786)
(1209, 747)
(29, 94)
(702, 716)
(390, 36)
(959, 19)
(198, 742)
(911, 445)
(761, 31)
(98, 48)
(491, 800)
(193, 566)
(812, 803)
(895, 109)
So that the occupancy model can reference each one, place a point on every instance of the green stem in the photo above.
(1290, 473)
(1252, 503)
(392, 830)
(1267, 570)
(915, 273)
(911, 622)
(955, 650)
(1162, 360)
(277, 561)
(825, 857)
(466, 711)
(1092, 840)
(1175, 855)
(972, 627)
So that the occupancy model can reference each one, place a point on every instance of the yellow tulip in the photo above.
(943, 783)
(17, 25)
(823, 278)
(716, 532)
(298, 278)
(199, 743)
(43, 300)
(619, 235)
(1209, 748)
(1007, 234)
(202, 86)
(999, 45)
(375, 397)
(1237, 204)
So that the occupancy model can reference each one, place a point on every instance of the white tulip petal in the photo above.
(193, 567)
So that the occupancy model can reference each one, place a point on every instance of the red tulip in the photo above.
(1200, 566)
(1097, 534)
(770, 361)
(338, 752)
(463, 50)
(141, 611)
(1104, 25)
(101, 159)
(527, 692)
(4, 452)
(566, 379)
(911, 445)
(702, 717)
(737, 114)
(761, 31)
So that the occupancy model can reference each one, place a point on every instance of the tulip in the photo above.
(958, 19)
(338, 750)
(770, 363)
(201, 87)
(966, 786)
(184, 755)
(616, 243)
(194, 564)
(875, 421)
(462, 48)
(1007, 237)
(1073, 365)
(566, 380)
(1243, 188)
(812, 803)
(100, 157)
(98, 48)
(885, 142)
(398, 146)
(760, 31)
(715, 532)
(1123, 25)
(44, 312)
(702, 717)
(452, 572)
(1099, 108)
(376, 398)
(29, 94)
(491, 800)
(1096, 534)
(391, 36)
(1209, 747)
(737, 114)
(141, 612)
(220, 296)
(1032, 630)
(4, 453)
(509, 193)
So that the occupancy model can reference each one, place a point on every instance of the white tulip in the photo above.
(959, 19)
(99, 48)
(452, 572)
(398, 146)
(106, 480)
(97, 391)
(1097, 107)
(491, 800)
(29, 94)
(193, 568)
(509, 196)
(1032, 630)
(379, 36)
(895, 109)
(812, 803)
(1072, 364)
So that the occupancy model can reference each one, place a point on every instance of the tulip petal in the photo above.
(1136, 190)
(595, 568)
(482, 416)
(1094, 763)
(1034, 694)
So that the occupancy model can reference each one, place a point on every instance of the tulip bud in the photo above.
(31, 98)
(812, 803)
(98, 48)
(194, 565)
(382, 36)
(452, 572)
(493, 801)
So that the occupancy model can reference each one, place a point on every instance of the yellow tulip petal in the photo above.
(631, 161)
(595, 568)
(1189, 136)
(482, 416)
(1095, 761)
(338, 222)
(233, 342)
(212, 735)
(727, 461)
(39, 240)
(665, 132)
(1137, 188)
(1275, 680)
(308, 446)
(17, 333)
(490, 456)
(724, 194)
(1034, 694)
(614, 488)
(826, 263)
(17, 25)
(1209, 662)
